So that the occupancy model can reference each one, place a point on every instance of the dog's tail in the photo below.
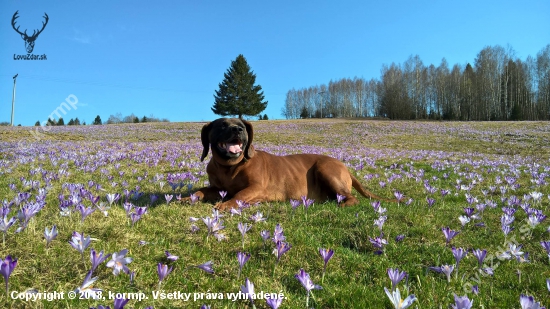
(366, 193)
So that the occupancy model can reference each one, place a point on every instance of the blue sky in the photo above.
(167, 58)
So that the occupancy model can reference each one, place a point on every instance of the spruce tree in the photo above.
(97, 120)
(237, 94)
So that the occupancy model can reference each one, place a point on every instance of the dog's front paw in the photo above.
(226, 206)
(190, 200)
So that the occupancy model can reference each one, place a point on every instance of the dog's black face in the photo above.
(229, 138)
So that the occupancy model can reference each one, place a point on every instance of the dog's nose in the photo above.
(236, 129)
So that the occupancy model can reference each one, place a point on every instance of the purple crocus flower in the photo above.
(168, 198)
(223, 194)
(163, 271)
(399, 196)
(380, 222)
(395, 276)
(135, 218)
(97, 259)
(118, 262)
(50, 234)
(236, 212)
(399, 237)
(120, 303)
(430, 201)
(258, 217)
(281, 248)
(306, 282)
(242, 258)
(6, 268)
(464, 220)
(294, 204)
(207, 267)
(528, 302)
(375, 205)
(140, 210)
(128, 208)
(397, 302)
(170, 256)
(248, 290)
(194, 198)
(326, 254)
(340, 198)
(79, 242)
(459, 254)
(378, 243)
(103, 208)
(506, 229)
(242, 204)
(480, 255)
(307, 202)
(546, 246)
(446, 269)
(449, 234)
(213, 225)
(243, 228)
(274, 302)
(515, 250)
(278, 234)
(5, 224)
(112, 198)
(265, 235)
(86, 288)
(462, 302)
(469, 211)
(84, 211)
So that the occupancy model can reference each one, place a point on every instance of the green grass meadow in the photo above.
(492, 162)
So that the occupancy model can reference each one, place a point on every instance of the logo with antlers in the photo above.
(29, 40)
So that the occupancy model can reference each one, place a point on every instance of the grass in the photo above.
(403, 155)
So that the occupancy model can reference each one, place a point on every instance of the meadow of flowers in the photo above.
(95, 211)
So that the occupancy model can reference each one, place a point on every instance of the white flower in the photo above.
(119, 261)
(397, 302)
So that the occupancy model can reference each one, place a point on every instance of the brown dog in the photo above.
(256, 176)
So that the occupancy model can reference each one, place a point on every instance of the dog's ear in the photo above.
(205, 137)
(249, 149)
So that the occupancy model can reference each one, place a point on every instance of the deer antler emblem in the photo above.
(29, 40)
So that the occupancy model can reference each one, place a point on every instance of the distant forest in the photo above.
(498, 86)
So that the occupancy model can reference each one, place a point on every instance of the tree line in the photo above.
(499, 86)
(113, 119)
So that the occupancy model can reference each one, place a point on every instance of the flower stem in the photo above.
(277, 262)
